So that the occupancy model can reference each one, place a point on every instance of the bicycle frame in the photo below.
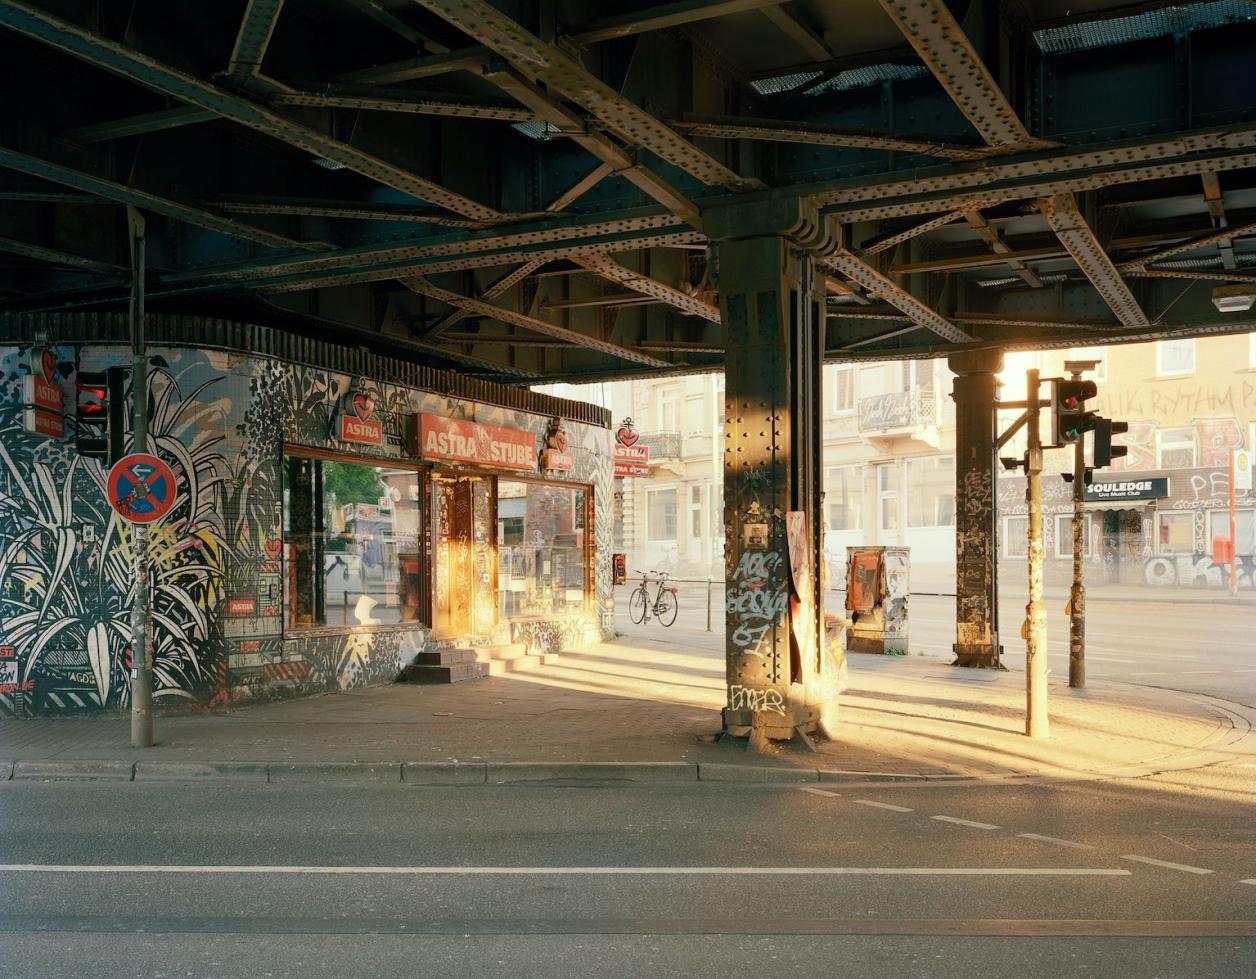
(652, 606)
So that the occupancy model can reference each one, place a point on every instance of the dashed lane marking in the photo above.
(883, 805)
(1057, 841)
(1185, 868)
(44, 868)
(807, 788)
(964, 822)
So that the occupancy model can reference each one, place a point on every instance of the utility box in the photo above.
(876, 599)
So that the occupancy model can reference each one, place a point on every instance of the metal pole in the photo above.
(1037, 724)
(141, 648)
(709, 598)
(1077, 598)
(1234, 544)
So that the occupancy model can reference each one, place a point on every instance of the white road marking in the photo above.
(964, 822)
(1165, 863)
(1057, 841)
(807, 788)
(43, 868)
(1200, 672)
(1251, 881)
(883, 805)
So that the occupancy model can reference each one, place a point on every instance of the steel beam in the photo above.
(844, 263)
(559, 72)
(817, 134)
(608, 268)
(580, 187)
(122, 194)
(500, 286)
(351, 210)
(981, 226)
(1216, 237)
(798, 32)
(399, 100)
(138, 125)
(426, 288)
(376, 12)
(1201, 275)
(618, 299)
(982, 260)
(1066, 221)
(427, 66)
(890, 241)
(490, 365)
(56, 257)
(658, 18)
(256, 27)
(140, 68)
(946, 51)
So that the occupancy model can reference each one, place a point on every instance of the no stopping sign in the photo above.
(140, 488)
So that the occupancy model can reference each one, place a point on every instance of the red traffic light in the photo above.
(1072, 393)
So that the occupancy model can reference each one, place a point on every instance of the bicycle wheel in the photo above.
(666, 607)
(636, 606)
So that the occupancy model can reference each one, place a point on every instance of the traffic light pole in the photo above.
(1037, 722)
(1077, 596)
(141, 619)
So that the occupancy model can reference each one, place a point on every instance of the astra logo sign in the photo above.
(454, 440)
(357, 421)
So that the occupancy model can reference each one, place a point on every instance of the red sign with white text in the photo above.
(40, 422)
(631, 469)
(357, 421)
(39, 392)
(456, 440)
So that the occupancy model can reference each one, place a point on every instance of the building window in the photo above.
(1244, 529)
(661, 514)
(931, 492)
(887, 493)
(668, 410)
(841, 386)
(843, 497)
(1176, 448)
(1015, 536)
(1175, 357)
(1175, 533)
(695, 512)
(1100, 373)
(696, 420)
(872, 381)
(351, 543)
(1064, 535)
(541, 547)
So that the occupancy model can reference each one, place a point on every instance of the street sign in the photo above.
(140, 488)
(1147, 488)
(1243, 470)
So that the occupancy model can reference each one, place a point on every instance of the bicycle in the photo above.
(665, 604)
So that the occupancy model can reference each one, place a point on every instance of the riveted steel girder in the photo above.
(55, 257)
(844, 263)
(138, 125)
(946, 51)
(1225, 234)
(256, 27)
(580, 187)
(497, 288)
(352, 210)
(816, 134)
(1066, 221)
(660, 17)
(123, 194)
(413, 103)
(907, 234)
(427, 66)
(976, 220)
(140, 68)
(608, 268)
(1202, 275)
(542, 61)
(798, 32)
(426, 288)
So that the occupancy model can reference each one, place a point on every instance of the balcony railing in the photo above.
(662, 445)
(898, 410)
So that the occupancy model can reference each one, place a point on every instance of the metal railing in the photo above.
(662, 445)
(898, 409)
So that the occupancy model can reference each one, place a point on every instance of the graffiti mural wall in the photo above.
(221, 419)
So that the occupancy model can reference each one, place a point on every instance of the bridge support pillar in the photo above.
(976, 515)
(783, 675)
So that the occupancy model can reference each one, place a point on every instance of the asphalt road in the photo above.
(1196, 647)
(319, 879)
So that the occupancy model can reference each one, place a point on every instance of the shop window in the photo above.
(352, 534)
(542, 548)
(1064, 535)
(661, 514)
(843, 497)
(695, 512)
(1176, 448)
(1175, 533)
(931, 492)
(1015, 536)
(1244, 529)
(1175, 357)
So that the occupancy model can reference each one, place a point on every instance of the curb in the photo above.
(499, 773)
(344, 771)
(443, 773)
(48, 771)
(755, 773)
(164, 771)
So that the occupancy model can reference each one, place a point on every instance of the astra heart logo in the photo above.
(560, 441)
(626, 436)
(273, 547)
(48, 363)
(363, 406)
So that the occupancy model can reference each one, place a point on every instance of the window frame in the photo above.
(1162, 371)
(1007, 536)
(1065, 520)
(1161, 516)
(422, 475)
(649, 534)
(912, 462)
(1161, 432)
(589, 528)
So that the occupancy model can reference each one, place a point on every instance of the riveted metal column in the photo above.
(976, 575)
(782, 680)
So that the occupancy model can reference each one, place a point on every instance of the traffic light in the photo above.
(1105, 451)
(100, 410)
(1069, 417)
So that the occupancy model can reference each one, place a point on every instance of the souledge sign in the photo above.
(454, 440)
(1152, 488)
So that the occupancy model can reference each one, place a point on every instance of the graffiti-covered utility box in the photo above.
(876, 599)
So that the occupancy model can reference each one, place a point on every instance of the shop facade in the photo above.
(336, 513)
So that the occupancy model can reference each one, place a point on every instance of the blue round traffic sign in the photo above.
(140, 488)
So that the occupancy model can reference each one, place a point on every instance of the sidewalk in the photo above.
(658, 701)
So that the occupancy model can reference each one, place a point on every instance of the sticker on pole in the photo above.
(1242, 470)
(140, 488)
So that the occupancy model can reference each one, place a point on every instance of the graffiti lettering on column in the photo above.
(977, 496)
(747, 698)
(756, 598)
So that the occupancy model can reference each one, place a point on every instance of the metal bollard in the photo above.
(708, 603)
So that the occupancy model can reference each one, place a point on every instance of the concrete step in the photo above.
(516, 664)
(453, 673)
(445, 657)
(501, 653)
